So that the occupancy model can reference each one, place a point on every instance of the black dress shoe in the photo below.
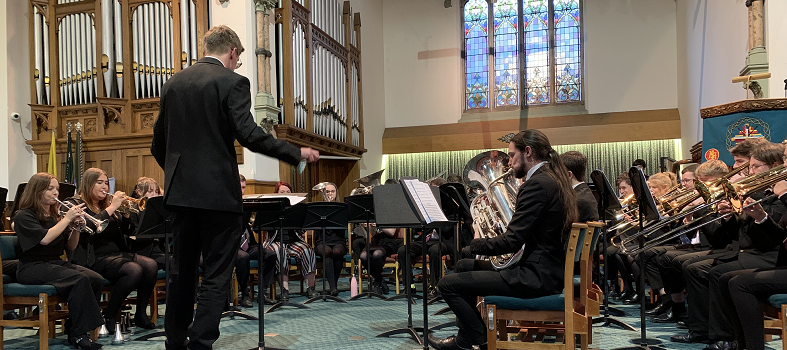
(245, 302)
(633, 299)
(334, 292)
(722, 345)
(450, 343)
(285, 296)
(384, 288)
(667, 317)
(691, 337)
(83, 342)
(660, 309)
(142, 321)
(682, 325)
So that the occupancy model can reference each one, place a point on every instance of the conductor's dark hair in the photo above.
(543, 151)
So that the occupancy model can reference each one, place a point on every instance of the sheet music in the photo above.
(294, 198)
(424, 200)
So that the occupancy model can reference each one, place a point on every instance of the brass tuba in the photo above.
(367, 183)
(495, 200)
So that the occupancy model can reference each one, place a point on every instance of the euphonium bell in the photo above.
(118, 338)
(103, 332)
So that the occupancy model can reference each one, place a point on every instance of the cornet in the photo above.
(126, 207)
(81, 223)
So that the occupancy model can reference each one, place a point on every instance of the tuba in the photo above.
(495, 200)
(367, 183)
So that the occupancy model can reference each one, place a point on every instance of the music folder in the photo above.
(408, 204)
(153, 219)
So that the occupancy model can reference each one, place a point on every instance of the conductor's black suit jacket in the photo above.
(204, 109)
(537, 223)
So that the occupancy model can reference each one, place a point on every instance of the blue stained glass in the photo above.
(537, 60)
(506, 15)
(568, 72)
(476, 18)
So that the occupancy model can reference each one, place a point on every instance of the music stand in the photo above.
(234, 310)
(395, 209)
(155, 223)
(325, 216)
(361, 210)
(647, 210)
(607, 201)
(273, 216)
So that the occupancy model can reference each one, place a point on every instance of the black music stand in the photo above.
(608, 201)
(234, 310)
(361, 210)
(272, 216)
(395, 208)
(325, 216)
(155, 223)
(647, 210)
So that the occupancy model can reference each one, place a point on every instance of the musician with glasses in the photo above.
(753, 249)
(687, 176)
(108, 253)
(43, 235)
(333, 249)
(618, 262)
(545, 210)
(152, 248)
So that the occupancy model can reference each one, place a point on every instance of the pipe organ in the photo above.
(319, 68)
(102, 63)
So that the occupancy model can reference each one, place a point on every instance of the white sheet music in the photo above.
(424, 200)
(294, 198)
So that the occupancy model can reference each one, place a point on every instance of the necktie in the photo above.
(245, 245)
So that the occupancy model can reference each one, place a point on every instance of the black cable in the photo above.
(22, 133)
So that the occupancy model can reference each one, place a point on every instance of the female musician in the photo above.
(385, 242)
(148, 188)
(618, 261)
(43, 236)
(333, 249)
(108, 253)
(296, 248)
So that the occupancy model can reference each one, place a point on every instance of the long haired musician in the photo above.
(108, 253)
(43, 235)
(545, 209)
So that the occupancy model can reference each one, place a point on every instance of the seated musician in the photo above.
(297, 248)
(107, 252)
(619, 262)
(687, 176)
(43, 235)
(385, 242)
(708, 279)
(748, 289)
(148, 188)
(671, 307)
(249, 250)
(545, 210)
(587, 206)
(333, 249)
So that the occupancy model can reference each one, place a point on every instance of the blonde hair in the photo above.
(664, 179)
(220, 39)
(144, 184)
(712, 168)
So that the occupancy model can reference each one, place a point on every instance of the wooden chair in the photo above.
(775, 322)
(20, 296)
(553, 308)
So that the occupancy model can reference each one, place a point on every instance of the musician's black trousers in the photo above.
(216, 236)
(460, 290)
(746, 290)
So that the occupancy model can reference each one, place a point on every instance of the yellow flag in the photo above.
(52, 167)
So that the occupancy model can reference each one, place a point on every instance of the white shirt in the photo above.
(575, 186)
(533, 170)
(217, 59)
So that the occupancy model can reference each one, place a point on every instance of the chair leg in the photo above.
(783, 319)
(43, 322)
(491, 334)
(396, 275)
(154, 305)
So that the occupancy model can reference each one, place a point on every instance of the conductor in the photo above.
(204, 109)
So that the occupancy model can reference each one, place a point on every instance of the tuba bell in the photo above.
(495, 199)
(367, 183)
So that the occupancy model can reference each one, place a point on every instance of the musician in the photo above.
(672, 306)
(43, 235)
(204, 109)
(748, 289)
(618, 260)
(333, 250)
(687, 176)
(247, 251)
(297, 248)
(385, 242)
(545, 209)
(741, 154)
(108, 253)
(576, 163)
(436, 247)
(148, 188)
(752, 250)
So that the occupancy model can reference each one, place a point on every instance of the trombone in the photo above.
(736, 194)
(82, 223)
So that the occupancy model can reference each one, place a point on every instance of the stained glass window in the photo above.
(537, 53)
(477, 54)
(506, 14)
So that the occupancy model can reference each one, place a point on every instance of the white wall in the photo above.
(712, 48)
(14, 97)
(630, 59)
(776, 44)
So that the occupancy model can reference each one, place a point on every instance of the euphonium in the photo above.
(367, 182)
(494, 206)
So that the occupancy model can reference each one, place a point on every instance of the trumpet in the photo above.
(126, 207)
(81, 223)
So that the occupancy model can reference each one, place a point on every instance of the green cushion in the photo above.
(28, 290)
(546, 303)
(576, 281)
(161, 275)
(7, 244)
(253, 264)
(6, 279)
(777, 300)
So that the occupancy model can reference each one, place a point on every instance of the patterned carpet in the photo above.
(351, 325)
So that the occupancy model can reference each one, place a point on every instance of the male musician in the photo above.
(752, 250)
(545, 209)
(204, 109)
(687, 176)
(587, 205)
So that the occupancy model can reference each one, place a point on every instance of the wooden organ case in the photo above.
(101, 63)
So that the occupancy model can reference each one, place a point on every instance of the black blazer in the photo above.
(204, 109)
(538, 223)
(586, 203)
(757, 243)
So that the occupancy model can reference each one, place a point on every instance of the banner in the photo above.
(52, 166)
(720, 134)
(69, 177)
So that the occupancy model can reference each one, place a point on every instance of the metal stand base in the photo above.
(443, 325)
(404, 295)
(614, 322)
(281, 304)
(411, 331)
(369, 295)
(442, 311)
(614, 311)
(234, 311)
(325, 297)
